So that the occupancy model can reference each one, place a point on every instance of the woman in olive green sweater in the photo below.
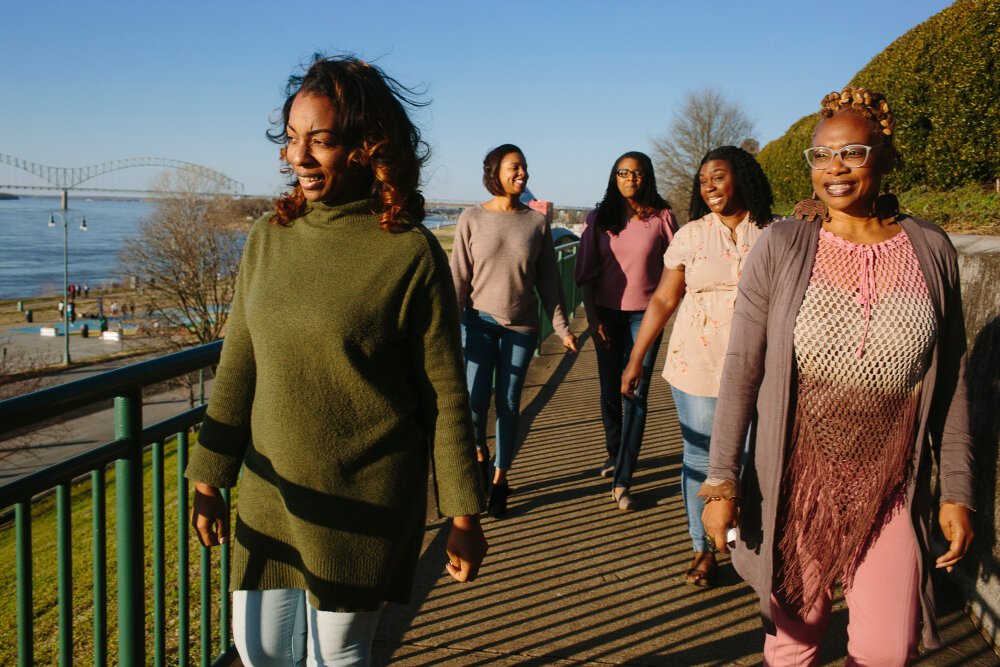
(342, 358)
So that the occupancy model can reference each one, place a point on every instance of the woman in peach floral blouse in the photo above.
(730, 204)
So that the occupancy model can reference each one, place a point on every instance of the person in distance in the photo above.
(618, 266)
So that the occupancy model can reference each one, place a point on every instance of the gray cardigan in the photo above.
(757, 393)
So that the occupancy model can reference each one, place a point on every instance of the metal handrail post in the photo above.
(64, 566)
(128, 506)
(100, 550)
(25, 605)
(224, 579)
(159, 560)
(183, 594)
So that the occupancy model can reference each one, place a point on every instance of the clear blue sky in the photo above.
(574, 83)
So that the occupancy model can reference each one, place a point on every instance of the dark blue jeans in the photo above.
(624, 418)
(489, 348)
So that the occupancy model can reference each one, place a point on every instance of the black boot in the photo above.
(498, 500)
(484, 474)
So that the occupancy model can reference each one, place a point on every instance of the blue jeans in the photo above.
(695, 413)
(494, 349)
(279, 628)
(624, 418)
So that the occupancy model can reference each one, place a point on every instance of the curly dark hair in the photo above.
(491, 167)
(612, 210)
(373, 123)
(751, 185)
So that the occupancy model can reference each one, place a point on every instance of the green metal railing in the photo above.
(127, 452)
(132, 445)
(566, 256)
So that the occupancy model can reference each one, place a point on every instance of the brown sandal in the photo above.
(703, 570)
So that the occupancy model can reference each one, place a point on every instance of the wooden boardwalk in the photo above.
(572, 580)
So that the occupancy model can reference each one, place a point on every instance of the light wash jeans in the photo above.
(278, 628)
(489, 348)
(695, 413)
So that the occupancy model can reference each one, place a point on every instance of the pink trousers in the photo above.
(883, 609)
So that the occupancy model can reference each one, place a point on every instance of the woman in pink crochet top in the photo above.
(848, 343)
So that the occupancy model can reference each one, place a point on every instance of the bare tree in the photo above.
(186, 256)
(706, 121)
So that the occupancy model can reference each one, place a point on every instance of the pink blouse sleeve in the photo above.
(678, 253)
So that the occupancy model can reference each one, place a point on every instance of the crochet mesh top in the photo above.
(862, 341)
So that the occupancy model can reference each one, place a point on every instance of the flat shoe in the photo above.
(703, 570)
(625, 501)
(608, 469)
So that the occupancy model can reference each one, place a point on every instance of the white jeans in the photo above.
(279, 628)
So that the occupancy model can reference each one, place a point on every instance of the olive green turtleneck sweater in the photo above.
(342, 356)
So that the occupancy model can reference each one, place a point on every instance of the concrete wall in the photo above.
(979, 576)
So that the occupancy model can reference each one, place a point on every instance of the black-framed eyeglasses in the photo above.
(625, 173)
(852, 155)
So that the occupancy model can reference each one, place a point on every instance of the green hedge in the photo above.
(941, 79)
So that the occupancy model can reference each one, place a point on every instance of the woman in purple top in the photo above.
(618, 268)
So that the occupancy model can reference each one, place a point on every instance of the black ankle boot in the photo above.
(484, 474)
(498, 500)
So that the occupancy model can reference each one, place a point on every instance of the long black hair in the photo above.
(752, 186)
(611, 211)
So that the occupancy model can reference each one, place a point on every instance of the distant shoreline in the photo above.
(73, 195)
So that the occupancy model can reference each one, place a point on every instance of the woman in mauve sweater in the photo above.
(340, 384)
(617, 268)
(503, 252)
(847, 353)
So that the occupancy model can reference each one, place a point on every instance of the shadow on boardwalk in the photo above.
(572, 580)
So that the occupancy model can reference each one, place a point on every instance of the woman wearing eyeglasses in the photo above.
(847, 353)
(730, 206)
(619, 265)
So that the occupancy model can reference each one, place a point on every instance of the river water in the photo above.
(31, 253)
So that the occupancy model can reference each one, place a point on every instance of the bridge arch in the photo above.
(67, 178)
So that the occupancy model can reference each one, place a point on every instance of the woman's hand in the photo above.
(956, 524)
(631, 377)
(209, 515)
(719, 516)
(570, 343)
(466, 548)
(598, 335)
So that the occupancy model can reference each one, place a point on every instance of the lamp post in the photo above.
(65, 216)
